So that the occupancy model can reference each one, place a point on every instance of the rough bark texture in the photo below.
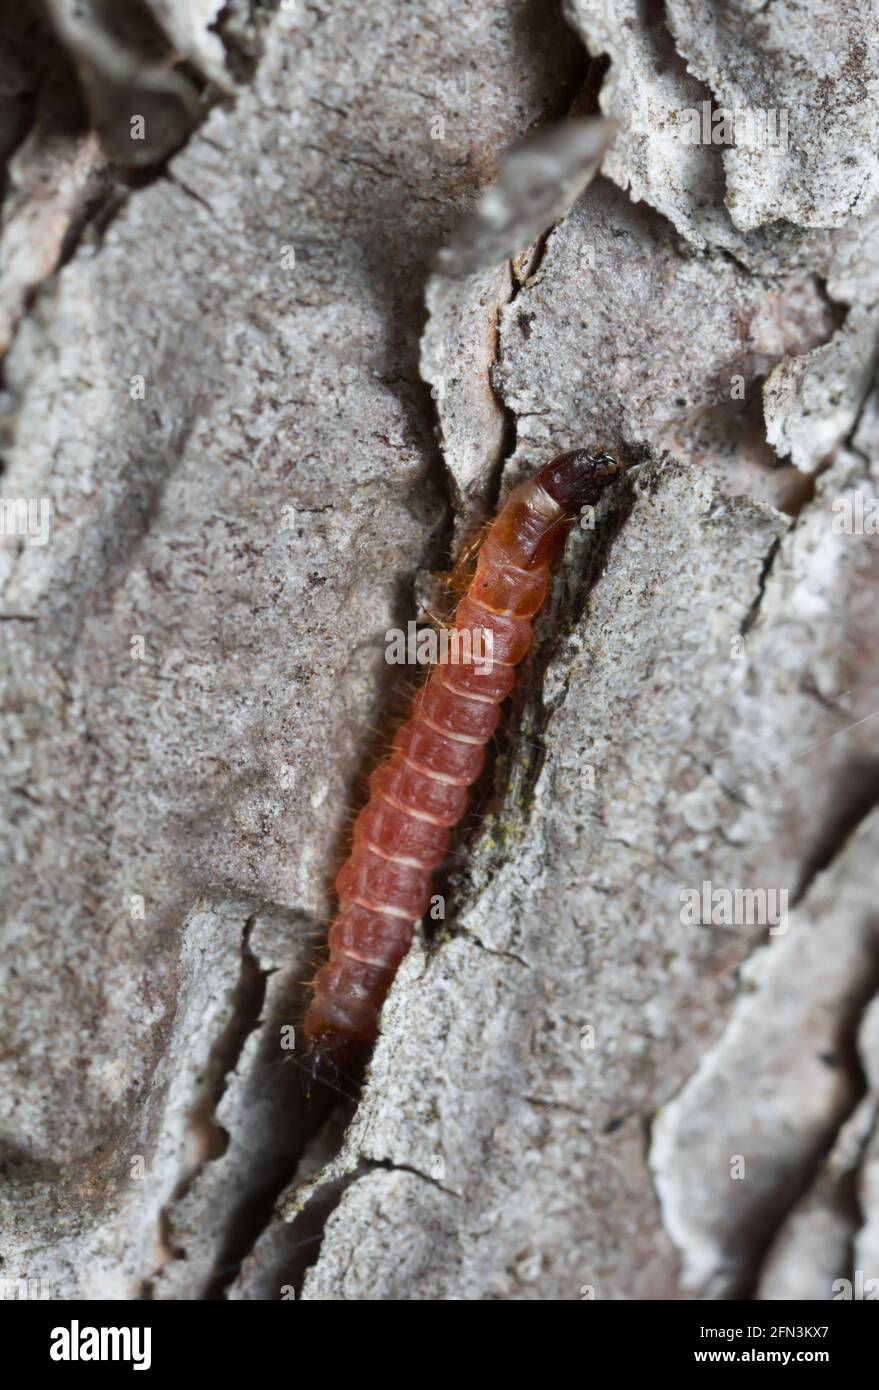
(263, 413)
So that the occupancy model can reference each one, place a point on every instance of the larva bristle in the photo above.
(457, 579)
(418, 789)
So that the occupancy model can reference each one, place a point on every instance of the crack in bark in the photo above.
(211, 1139)
(272, 1096)
(177, 182)
(813, 1165)
(767, 1222)
(850, 1189)
(478, 942)
(323, 1203)
(839, 832)
(849, 441)
(387, 1165)
(768, 561)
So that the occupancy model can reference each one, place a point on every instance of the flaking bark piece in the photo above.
(539, 180)
(121, 84)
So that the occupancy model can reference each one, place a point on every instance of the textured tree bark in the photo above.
(253, 411)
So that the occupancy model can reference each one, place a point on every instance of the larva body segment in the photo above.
(420, 791)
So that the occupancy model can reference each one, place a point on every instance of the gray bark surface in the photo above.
(265, 413)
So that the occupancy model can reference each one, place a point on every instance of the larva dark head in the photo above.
(578, 478)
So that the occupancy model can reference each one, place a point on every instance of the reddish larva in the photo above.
(420, 791)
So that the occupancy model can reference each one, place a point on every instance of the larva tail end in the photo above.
(328, 1062)
(331, 1050)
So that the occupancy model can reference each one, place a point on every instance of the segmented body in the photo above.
(420, 792)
